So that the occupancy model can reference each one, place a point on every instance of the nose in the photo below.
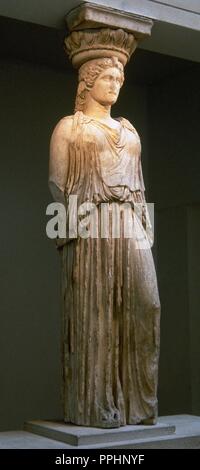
(114, 87)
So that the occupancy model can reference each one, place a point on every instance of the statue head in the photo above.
(100, 55)
(102, 78)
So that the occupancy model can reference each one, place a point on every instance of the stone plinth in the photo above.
(88, 437)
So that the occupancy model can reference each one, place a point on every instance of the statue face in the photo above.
(107, 86)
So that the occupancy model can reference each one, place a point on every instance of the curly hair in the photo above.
(89, 72)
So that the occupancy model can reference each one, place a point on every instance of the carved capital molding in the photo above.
(85, 45)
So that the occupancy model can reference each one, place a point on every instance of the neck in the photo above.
(94, 109)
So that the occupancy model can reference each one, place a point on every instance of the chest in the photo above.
(113, 141)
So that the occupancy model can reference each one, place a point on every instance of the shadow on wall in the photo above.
(174, 116)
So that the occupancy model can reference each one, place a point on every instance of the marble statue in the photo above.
(111, 309)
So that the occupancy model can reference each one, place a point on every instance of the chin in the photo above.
(111, 101)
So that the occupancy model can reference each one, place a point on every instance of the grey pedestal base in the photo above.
(86, 437)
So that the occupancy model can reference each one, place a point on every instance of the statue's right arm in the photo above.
(58, 163)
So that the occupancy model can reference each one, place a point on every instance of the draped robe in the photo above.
(111, 309)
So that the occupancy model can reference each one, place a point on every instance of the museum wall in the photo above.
(166, 114)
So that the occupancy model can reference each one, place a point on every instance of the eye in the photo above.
(107, 77)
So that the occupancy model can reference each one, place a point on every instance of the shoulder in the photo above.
(63, 129)
(130, 126)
